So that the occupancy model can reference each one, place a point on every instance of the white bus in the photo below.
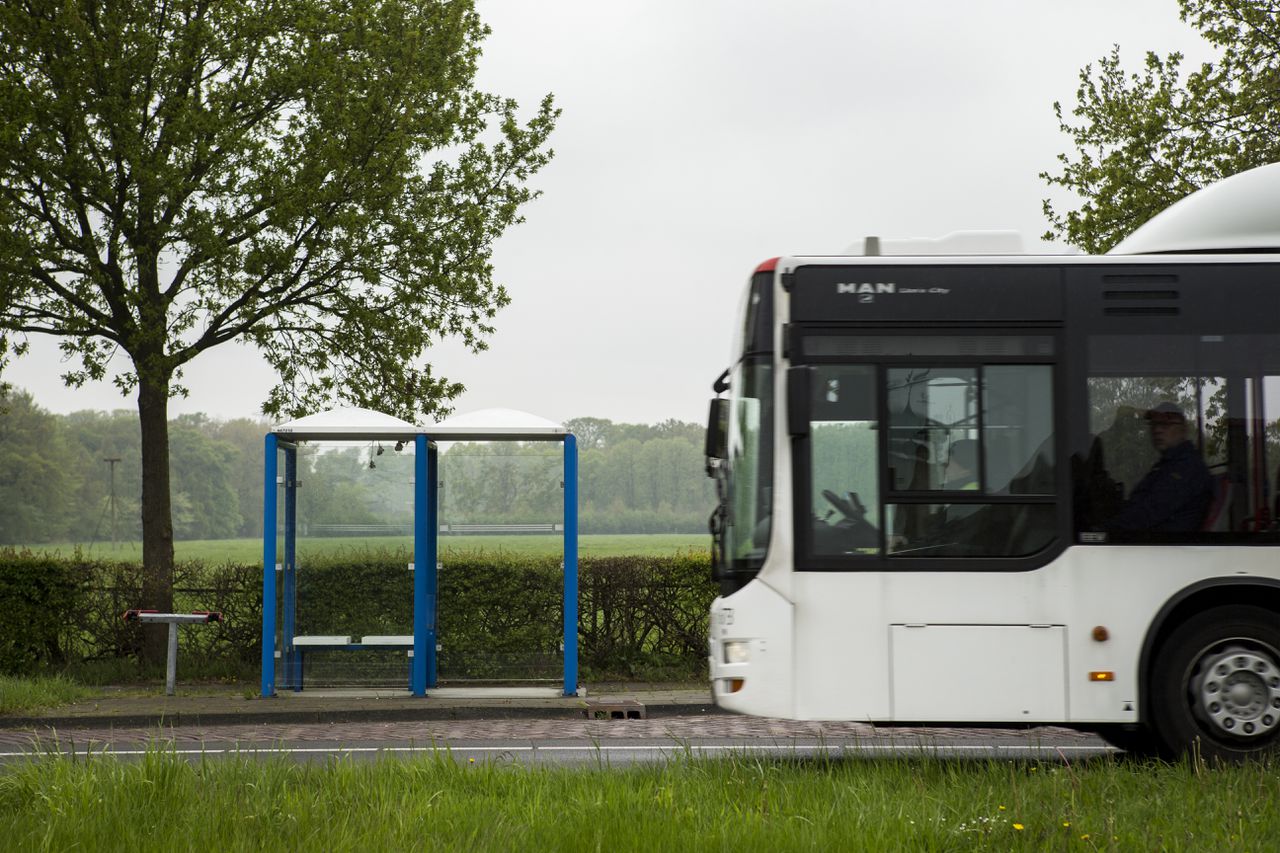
(1012, 490)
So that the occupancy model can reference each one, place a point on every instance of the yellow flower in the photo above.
(1084, 837)
(1066, 823)
(1018, 827)
(1001, 808)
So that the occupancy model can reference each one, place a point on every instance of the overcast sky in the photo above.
(700, 137)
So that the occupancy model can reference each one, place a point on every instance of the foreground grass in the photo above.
(250, 550)
(737, 804)
(25, 695)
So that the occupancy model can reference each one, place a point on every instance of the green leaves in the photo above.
(1145, 139)
(638, 616)
(38, 594)
(320, 179)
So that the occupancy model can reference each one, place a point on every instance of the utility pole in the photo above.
(112, 460)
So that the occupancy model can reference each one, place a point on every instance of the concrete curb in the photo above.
(335, 716)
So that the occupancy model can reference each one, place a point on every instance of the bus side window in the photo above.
(1265, 444)
(1188, 456)
(1146, 472)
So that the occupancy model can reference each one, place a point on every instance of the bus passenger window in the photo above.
(1174, 496)
(1263, 508)
(930, 409)
(845, 496)
(1145, 470)
(1017, 426)
(1181, 456)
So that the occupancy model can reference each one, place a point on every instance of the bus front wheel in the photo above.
(1216, 685)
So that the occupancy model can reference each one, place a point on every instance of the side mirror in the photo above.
(717, 429)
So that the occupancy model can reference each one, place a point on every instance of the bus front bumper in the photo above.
(750, 652)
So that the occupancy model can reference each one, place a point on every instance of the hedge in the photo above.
(499, 614)
(37, 594)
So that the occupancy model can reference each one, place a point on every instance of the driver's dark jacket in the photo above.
(1174, 496)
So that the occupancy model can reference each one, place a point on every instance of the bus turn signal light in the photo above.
(735, 684)
(1102, 676)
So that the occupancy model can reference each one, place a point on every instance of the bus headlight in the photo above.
(736, 651)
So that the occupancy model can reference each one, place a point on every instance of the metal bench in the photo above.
(460, 529)
(342, 642)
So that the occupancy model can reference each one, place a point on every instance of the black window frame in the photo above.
(801, 455)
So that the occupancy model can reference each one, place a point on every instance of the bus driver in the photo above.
(1175, 494)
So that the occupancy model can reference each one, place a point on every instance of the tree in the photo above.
(107, 505)
(319, 179)
(591, 433)
(37, 481)
(245, 437)
(203, 477)
(1147, 139)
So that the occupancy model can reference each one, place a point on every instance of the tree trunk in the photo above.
(157, 516)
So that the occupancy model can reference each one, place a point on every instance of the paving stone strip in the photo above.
(443, 732)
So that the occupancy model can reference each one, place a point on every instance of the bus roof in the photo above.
(1240, 213)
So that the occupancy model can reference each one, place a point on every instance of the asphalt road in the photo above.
(613, 743)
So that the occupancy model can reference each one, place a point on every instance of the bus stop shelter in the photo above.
(279, 572)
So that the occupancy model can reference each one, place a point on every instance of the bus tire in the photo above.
(1215, 686)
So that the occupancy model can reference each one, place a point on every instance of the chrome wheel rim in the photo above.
(1236, 691)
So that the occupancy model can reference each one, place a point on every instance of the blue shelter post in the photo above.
(269, 567)
(433, 558)
(418, 674)
(570, 565)
(291, 660)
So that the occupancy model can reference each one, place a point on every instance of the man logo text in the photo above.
(865, 287)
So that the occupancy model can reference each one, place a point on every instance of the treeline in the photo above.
(57, 483)
(56, 480)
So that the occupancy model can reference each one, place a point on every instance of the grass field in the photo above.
(250, 550)
(739, 804)
(23, 695)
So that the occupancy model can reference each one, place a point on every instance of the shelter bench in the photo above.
(546, 527)
(342, 642)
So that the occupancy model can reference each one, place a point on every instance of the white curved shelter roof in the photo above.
(496, 425)
(355, 424)
(1240, 213)
(346, 423)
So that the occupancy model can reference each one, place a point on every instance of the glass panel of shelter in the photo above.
(494, 495)
(353, 616)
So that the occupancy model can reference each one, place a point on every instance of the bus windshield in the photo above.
(749, 466)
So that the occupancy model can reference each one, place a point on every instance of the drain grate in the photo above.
(613, 709)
